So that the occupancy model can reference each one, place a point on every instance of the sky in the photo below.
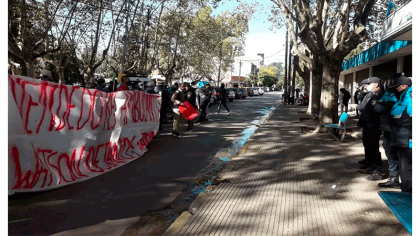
(260, 39)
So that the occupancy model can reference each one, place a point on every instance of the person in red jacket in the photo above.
(123, 86)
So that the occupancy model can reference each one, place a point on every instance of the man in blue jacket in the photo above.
(401, 128)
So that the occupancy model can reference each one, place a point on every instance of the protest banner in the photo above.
(62, 134)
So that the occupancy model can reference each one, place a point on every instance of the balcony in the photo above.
(398, 26)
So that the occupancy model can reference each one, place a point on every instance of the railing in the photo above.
(397, 21)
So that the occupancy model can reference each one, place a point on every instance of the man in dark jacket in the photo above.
(383, 107)
(370, 121)
(165, 103)
(101, 85)
(401, 128)
(191, 97)
(203, 102)
(344, 98)
(178, 99)
(223, 97)
(150, 87)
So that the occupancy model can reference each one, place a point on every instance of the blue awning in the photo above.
(374, 52)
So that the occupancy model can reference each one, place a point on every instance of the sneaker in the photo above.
(176, 134)
(376, 175)
(190, 130)
(228, 114)
(362, 162)
(392, 182)
(364, 167)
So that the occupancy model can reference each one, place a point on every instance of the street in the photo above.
(110, 203)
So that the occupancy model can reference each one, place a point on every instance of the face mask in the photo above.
(368, 89)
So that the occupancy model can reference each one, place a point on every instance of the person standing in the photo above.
(223, 96)
(165, 102)
(202, 102)
(209, 94)
(344, 98)
(178, 100)
(101, 85)
(383, 107)
(150, 87)
(370, 121)
(191, 97)
(401, 128)
(47, 76)
(124, 82)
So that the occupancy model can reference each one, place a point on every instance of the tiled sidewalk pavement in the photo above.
(283, 185)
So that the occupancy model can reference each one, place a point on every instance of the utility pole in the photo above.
(240, 65)
(294, 69)
(285, 66)
(290, 68)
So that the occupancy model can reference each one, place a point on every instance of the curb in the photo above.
(179, 222)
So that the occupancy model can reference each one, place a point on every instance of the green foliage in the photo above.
(268, 75)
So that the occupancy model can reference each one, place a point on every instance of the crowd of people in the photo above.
(385, 108)
(172, 97)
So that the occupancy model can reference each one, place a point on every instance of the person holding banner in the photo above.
(47, 76)
(178, 100)
(124, 82)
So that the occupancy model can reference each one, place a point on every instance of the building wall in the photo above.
(385, 70)
(361, 75)
(408, 66)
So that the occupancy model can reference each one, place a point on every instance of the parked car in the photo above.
(238, 93)
(260, 90)
(250, 92)
(231, 95)
(256, 93)
(244, 93)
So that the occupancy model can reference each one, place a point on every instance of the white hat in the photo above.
(47, 73)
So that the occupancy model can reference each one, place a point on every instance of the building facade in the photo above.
(392, 55)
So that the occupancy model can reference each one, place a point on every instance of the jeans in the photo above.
(342, 106)
(177, 120)
(392, 155)
(222, 102)
(203, 111)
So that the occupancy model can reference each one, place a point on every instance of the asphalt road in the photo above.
(109, 203)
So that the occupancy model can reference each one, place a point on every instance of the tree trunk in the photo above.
(315, 88)
(329, 94)
(60, 74)
(30, 69)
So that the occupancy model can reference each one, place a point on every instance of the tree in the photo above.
(37, 29)
(268, 75)
(329, 30)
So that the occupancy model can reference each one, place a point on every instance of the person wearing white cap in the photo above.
(47, 76)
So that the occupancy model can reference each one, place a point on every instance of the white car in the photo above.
(260, 90)
(255, 90)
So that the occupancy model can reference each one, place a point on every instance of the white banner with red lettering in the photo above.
(61, 134)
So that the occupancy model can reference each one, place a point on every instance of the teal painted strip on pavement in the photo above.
(374, 52)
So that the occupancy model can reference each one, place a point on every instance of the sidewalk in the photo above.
(291, 183)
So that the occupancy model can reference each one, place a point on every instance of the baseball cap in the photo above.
(399, 79)
(363, 82)
(373, 80)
